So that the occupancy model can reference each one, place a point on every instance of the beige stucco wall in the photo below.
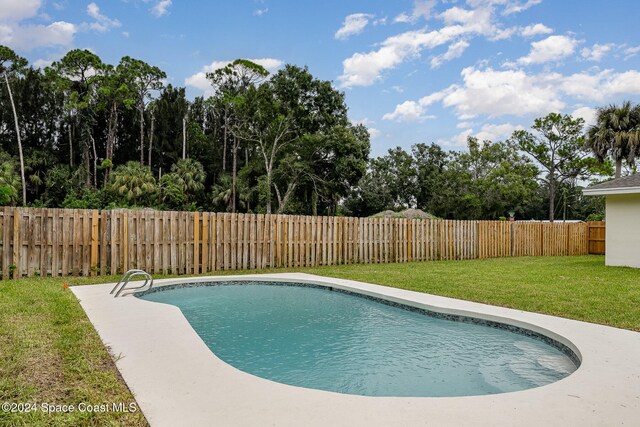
(623, 230)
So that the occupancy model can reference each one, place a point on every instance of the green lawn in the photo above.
(49, 352)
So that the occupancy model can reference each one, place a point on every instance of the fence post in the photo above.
(17, 244)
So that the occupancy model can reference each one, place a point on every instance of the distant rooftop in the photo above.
(624, 185)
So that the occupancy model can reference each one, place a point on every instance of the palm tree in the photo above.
(133, 181)
(191, 174)
(616, 134)
(10, 63)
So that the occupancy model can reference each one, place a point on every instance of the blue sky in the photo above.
(413, 70)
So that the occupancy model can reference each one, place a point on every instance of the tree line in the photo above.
(81, 133)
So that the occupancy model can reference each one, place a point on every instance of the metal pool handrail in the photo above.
(126, 278)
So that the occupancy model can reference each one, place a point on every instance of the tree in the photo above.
(185, 181)
(78, 74)
(616, 134)
(331, 161)
(559, 148)
(389, 183)
(232, 83)
(144, 79)
(11, 63)
(133, 182)
(263, 123)
(486, 182)
(430, 163)
(115, 94)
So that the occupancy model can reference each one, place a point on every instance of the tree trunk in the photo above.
(618, 168)
(95, 162)
(268, 190)
(151, 134)
(184, 137)
(314, 203)
(552, 198)
(141, 110)
(87, 164)
(111, 140)
(15, 118)
(224, 143)
(71, 145)
(284, 200)
(234, 174)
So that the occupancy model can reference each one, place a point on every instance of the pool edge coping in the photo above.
(560, 329)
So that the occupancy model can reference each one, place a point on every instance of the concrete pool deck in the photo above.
(177, 380)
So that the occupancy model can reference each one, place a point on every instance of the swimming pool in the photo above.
(320, 338)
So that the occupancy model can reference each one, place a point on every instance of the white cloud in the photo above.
(42, 63)
(464, 125)
(588, 114)
(455, 50)
(29, 37)
(353, 24)
(535, 30)
(487, 92)
(402, 18)
(408, 111)
(488, 132)
(517, 6)
(601, 86)
(630, 52)
(102, 23)
(596, 52)
(421, 9)
(496, 93)
(493, 132)
(161, 7)
(260, 12)
(364, 69)
(14, 11)
(199, 80)
(553, 48)
(5, 34)
(474, 20)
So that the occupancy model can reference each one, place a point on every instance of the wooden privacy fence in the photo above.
(63, 242)
(597, 232)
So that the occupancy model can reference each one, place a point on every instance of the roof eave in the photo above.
(610, 191)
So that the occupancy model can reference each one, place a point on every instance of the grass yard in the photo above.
(49, 351)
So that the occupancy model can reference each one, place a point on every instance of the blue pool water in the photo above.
(317, 338)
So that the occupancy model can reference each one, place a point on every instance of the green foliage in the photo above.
(596, 217)
(185, 182)
(558, 146)
(9, 180)
(133, 184)
(616, 134)
(10, 61)
(85, 199)
(5, 194)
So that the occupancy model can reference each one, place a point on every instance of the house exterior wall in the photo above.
(623, 230)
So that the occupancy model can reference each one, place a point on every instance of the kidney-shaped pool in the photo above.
(322, 338)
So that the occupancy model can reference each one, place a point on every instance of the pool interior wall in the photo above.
(453, 317)
(500, 378)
